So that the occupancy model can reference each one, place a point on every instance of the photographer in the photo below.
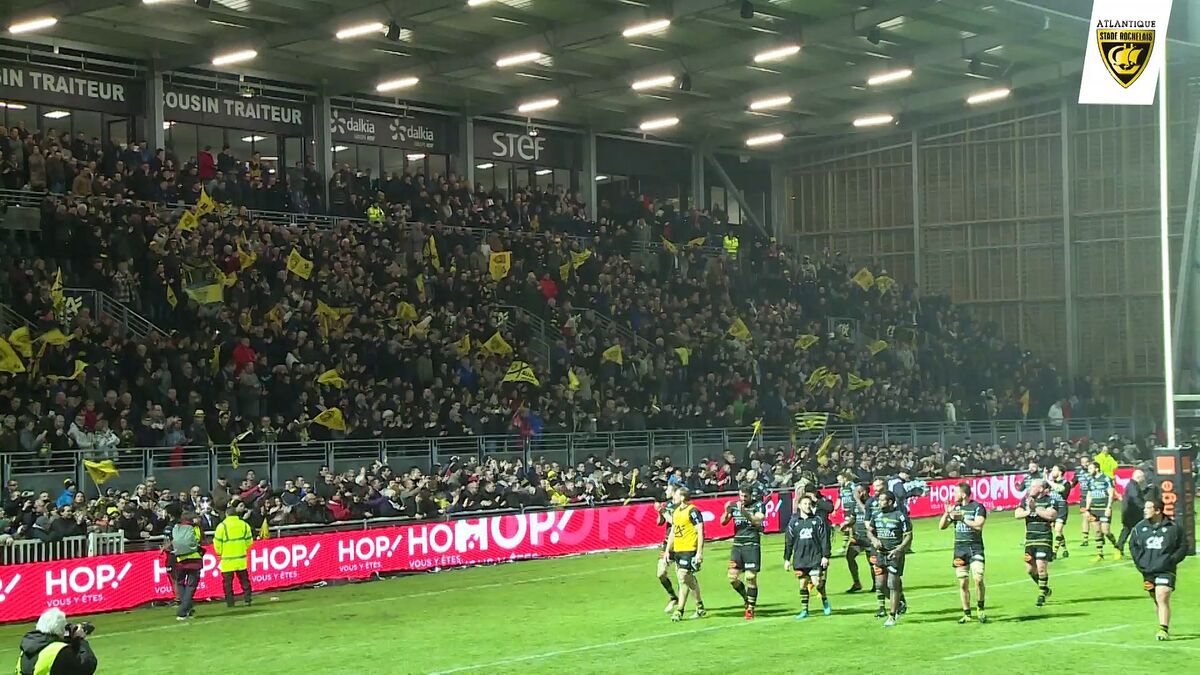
(56, 648)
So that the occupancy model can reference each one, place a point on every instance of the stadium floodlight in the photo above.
(339, 148)
(539, 104)
(652, 82)
(485, 166)
(476, 3)
(772, 102)
(989, 96)
(415, 156)
(543, 172)
(30, 25)
(764, 139)
(660, 123)
(359, 30)
(234, 57)
(601, 177)
(874, 120)
(893, 76)
(13, 106)
(777, 53)
(516, 59)
(57, 114)
(399, 83)
(655, 26)
(253, 139)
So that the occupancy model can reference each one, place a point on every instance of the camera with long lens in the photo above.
(87, 626)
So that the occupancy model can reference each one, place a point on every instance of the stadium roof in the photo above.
(954, 48)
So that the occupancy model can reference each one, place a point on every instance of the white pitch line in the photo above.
(707, 629)
(1030, 643)
(1168, 647)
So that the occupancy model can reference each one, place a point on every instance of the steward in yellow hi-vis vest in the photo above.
(232, 541)
(685, 546)
(731, 244)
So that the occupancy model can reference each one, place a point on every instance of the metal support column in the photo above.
(779, 201)
(323, 144)
(1068, 258)
(588, 175)
(466, 131)
(699, 198)
(1187, 295)
(737, 194)
(155, 120)
(915, 170)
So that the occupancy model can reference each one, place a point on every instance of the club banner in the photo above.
(108, 583)
(998, 492)
(1126, 49)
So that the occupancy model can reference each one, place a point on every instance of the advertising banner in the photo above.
(25, 83)
(415, 131)
(197, 106)
(108, 583)
(1125, 51)
(554, 149)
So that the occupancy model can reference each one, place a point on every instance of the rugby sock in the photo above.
(752, 595)
(804, 595)
(1163, 628)
(979, 605)
(740, 588)
(1034, 577)
(1100, 546)
(1112, 540)
(882, 595)
(666, 583)
(967, 611)
(821, 588)
(1060, 543)
(1043, 581)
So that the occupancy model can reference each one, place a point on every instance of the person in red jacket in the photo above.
(208, 166)
(548, 287)
(338, 508)
(243, 354)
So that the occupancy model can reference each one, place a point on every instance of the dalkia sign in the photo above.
(421, 132)
(1126, 50)
(107, 583)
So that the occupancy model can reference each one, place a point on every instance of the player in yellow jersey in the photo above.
(662, 513)
(685, 547)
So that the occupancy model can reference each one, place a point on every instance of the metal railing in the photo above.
(10, 320)
(108, 308)
(36, 550)
(181, 468)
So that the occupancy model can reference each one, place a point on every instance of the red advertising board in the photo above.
(107, 583)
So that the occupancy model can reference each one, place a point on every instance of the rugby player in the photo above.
(845, 502)
(1083, 477)
(806, 552)
(1039, 513)
(891, 535)
(1035, 472)
(858, 514)
(685, 546)
(968, 517)
(745, 556)
(1060, 490)
(1157, 546)
(1099, 503)
(663, 517)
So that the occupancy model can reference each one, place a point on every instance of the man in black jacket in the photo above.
(1158, 545)
(1137, 492)
(49, 649)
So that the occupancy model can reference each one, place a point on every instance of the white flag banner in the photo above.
(1126, 49)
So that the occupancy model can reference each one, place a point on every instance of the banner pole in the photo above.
(1165, 256)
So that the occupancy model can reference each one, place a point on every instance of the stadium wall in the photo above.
(115, 582)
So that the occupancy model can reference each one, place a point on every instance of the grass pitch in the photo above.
(604, 614)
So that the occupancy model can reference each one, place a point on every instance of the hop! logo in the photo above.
(7, 589)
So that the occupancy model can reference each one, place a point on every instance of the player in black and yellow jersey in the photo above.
(1083, 476)
(845, 502)
(745, 556)
(858, 513)
(1060, 489)
(685, 546)
(1039, 513)
(891, 535)
(663, 517)
(1098, 505)
(968, 517)
(806, 552)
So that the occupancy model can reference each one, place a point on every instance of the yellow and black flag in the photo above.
(519, 371)
(810, 421)
(101, 472)
(331, 419)
(235, 449)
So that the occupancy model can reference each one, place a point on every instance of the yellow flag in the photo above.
(684, 354)
(463, 346)
(564, 270)
(432, 255)
(101, 472)
(331, 378)
(816, 377)
(205, 204)
(331, 419)
(421, 289)
(884, 283)
(831, 380)
(55, 337)
(330, 318)
(667, 244)
(21, 341)
(808, 421)
(519, 371)
(56, 292)
(188, 221)
(9, 361)
(739, 330)
(245, 260)
(755, 430)
(806, 341)
(877, 346)
(864, 279)
(573, 380)
(80, 366)
(406, 312)
(235, 448)
(499, 264)
(613, 354)
(264, 530)
(229, 280)
(857, 382)
(496, 345)
(208, 294)
(299, 265)
(172, 299)
(579, 258)
(698, 241)
(275, 315)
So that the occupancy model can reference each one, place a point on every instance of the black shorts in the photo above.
(685, 561)
(1150, 581)
(746, 557)
(965, 554)
(808, 570)
(859, 544)
(1098, 516)
(1039, 552)
(881, 564)
(1062, 515)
